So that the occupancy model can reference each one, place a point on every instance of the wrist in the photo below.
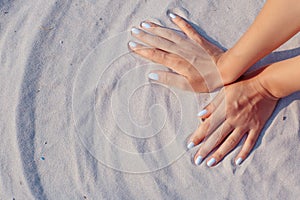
(231, 66)
(261, 87)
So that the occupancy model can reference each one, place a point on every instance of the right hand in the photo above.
(195, 60)
(240, 109)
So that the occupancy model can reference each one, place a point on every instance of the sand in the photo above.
(80, 120)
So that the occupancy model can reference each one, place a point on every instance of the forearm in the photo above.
(282, 78)
(275, 24)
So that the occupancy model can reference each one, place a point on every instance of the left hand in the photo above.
(195, 62)
(240, 109)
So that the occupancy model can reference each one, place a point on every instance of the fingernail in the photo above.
(172, 15)
(135, 30)
(190, 145)
(198, 160)
(211, 162)
(146, 25)
(201, 113)
(153, 76)
(132, 44)
(238, 161)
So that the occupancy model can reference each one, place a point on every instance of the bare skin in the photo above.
(190, 56)
(241, 109)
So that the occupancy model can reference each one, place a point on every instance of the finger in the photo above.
(154, 40)
(194, 35)
(212, 106)
(172, 61)
(212, 142)
(248, 146)
(207, 127)
(231, 142)
(167, 33)
(170, 79)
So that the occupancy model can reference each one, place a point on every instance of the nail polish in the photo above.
(238, 161)
(135, 30)
(201, 113)
(153, 76)
(190, 145)
(198, 160)
(132, 44)
(211, 162)
(172, 15)
(146, 25)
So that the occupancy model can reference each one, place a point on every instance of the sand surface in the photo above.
(80, 120)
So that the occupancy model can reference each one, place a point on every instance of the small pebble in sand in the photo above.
(61, 42)
(284, 118)
(42, 158)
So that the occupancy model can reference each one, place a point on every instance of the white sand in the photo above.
(72, 95)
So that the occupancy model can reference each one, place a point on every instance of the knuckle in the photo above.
(232, 141)
(176, 62)
(186, 25)
(218, 155)
(230, 122)
(179, 62)
(245, 152)
(149, 52)
(205, 127)
(257, 127)
(203, 150)
(251, 141)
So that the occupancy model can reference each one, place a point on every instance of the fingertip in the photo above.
(198, 160)
(135, 31)
(239, 161)
(153, 76)
(145, 25)
(171, 14)
(132, 44)
(202, 113)
(211, 162)
(190, 145)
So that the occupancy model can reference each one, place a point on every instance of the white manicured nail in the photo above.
(190, 145)
(132, 44)
(153, 76)
(211, 162)
(198, 160)
(146, 25)
(201, 113)
(172, 15)
(135, 30)
(238, 161)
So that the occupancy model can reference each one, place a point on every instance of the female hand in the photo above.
(240, 109)
(193, 58)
